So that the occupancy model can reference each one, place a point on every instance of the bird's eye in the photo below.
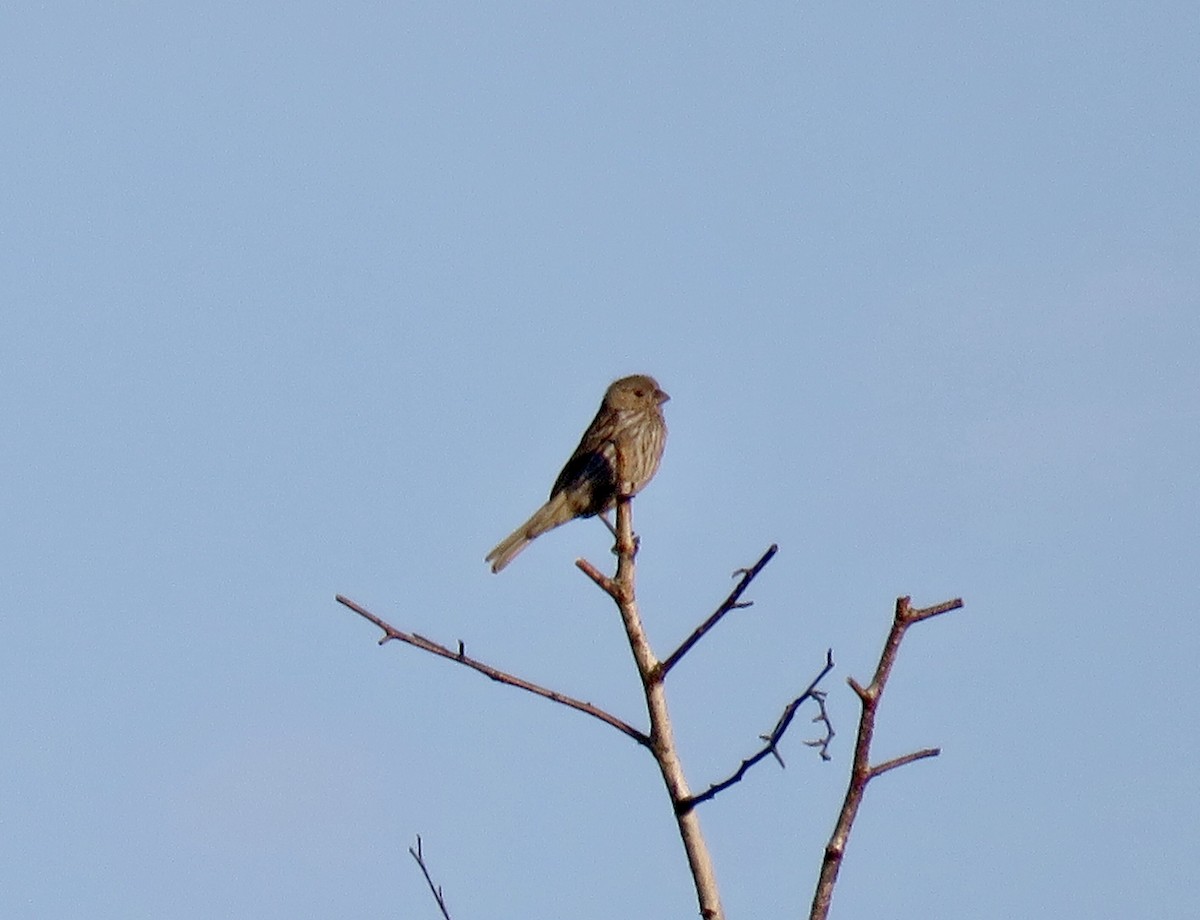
(639, 392)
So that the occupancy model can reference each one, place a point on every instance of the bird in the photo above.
(622, 447)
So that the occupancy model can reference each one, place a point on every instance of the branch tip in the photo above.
(858, 689)
(925, 613)
(435, 890)
(895, 762)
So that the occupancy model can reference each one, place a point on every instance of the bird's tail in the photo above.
(555, 512)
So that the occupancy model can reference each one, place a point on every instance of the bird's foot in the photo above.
(637, 543)
(609, 524)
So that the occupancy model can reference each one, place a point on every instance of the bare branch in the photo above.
(924, 613)
(602, 581)
(435, 890)
(861, 771)
(730, 603)
(772, 740)
(663, 742)
(858, 688)
(895, 762)
(390, 632)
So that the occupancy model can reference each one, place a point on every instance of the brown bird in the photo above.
(622, 446)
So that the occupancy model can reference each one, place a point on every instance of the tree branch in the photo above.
(435, 890)
(603, 582)
(662, 741)
(861, 771)
(730, 603)
(503, 677)
(895, 762)
(772, 740)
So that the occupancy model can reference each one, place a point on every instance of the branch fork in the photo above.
(861, 771)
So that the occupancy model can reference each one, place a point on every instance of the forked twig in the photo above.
(771, 747)
(435, 890)
(861, 771)
(822, 716)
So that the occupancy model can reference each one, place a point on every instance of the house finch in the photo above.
(620, 449)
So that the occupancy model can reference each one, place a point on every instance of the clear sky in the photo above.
(298, 299)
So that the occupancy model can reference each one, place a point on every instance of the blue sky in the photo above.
(298, 300)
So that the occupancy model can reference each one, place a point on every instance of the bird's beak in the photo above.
(662, 397)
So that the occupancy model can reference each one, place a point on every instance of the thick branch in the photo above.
(662, 742)
(503, 677)
(861, 771)
(730, 603)
(772, 740)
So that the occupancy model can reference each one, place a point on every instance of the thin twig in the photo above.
(390, 632)
(861, 771)
(822, 716)
(730, 603)
(772, 740)
(435, 890)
